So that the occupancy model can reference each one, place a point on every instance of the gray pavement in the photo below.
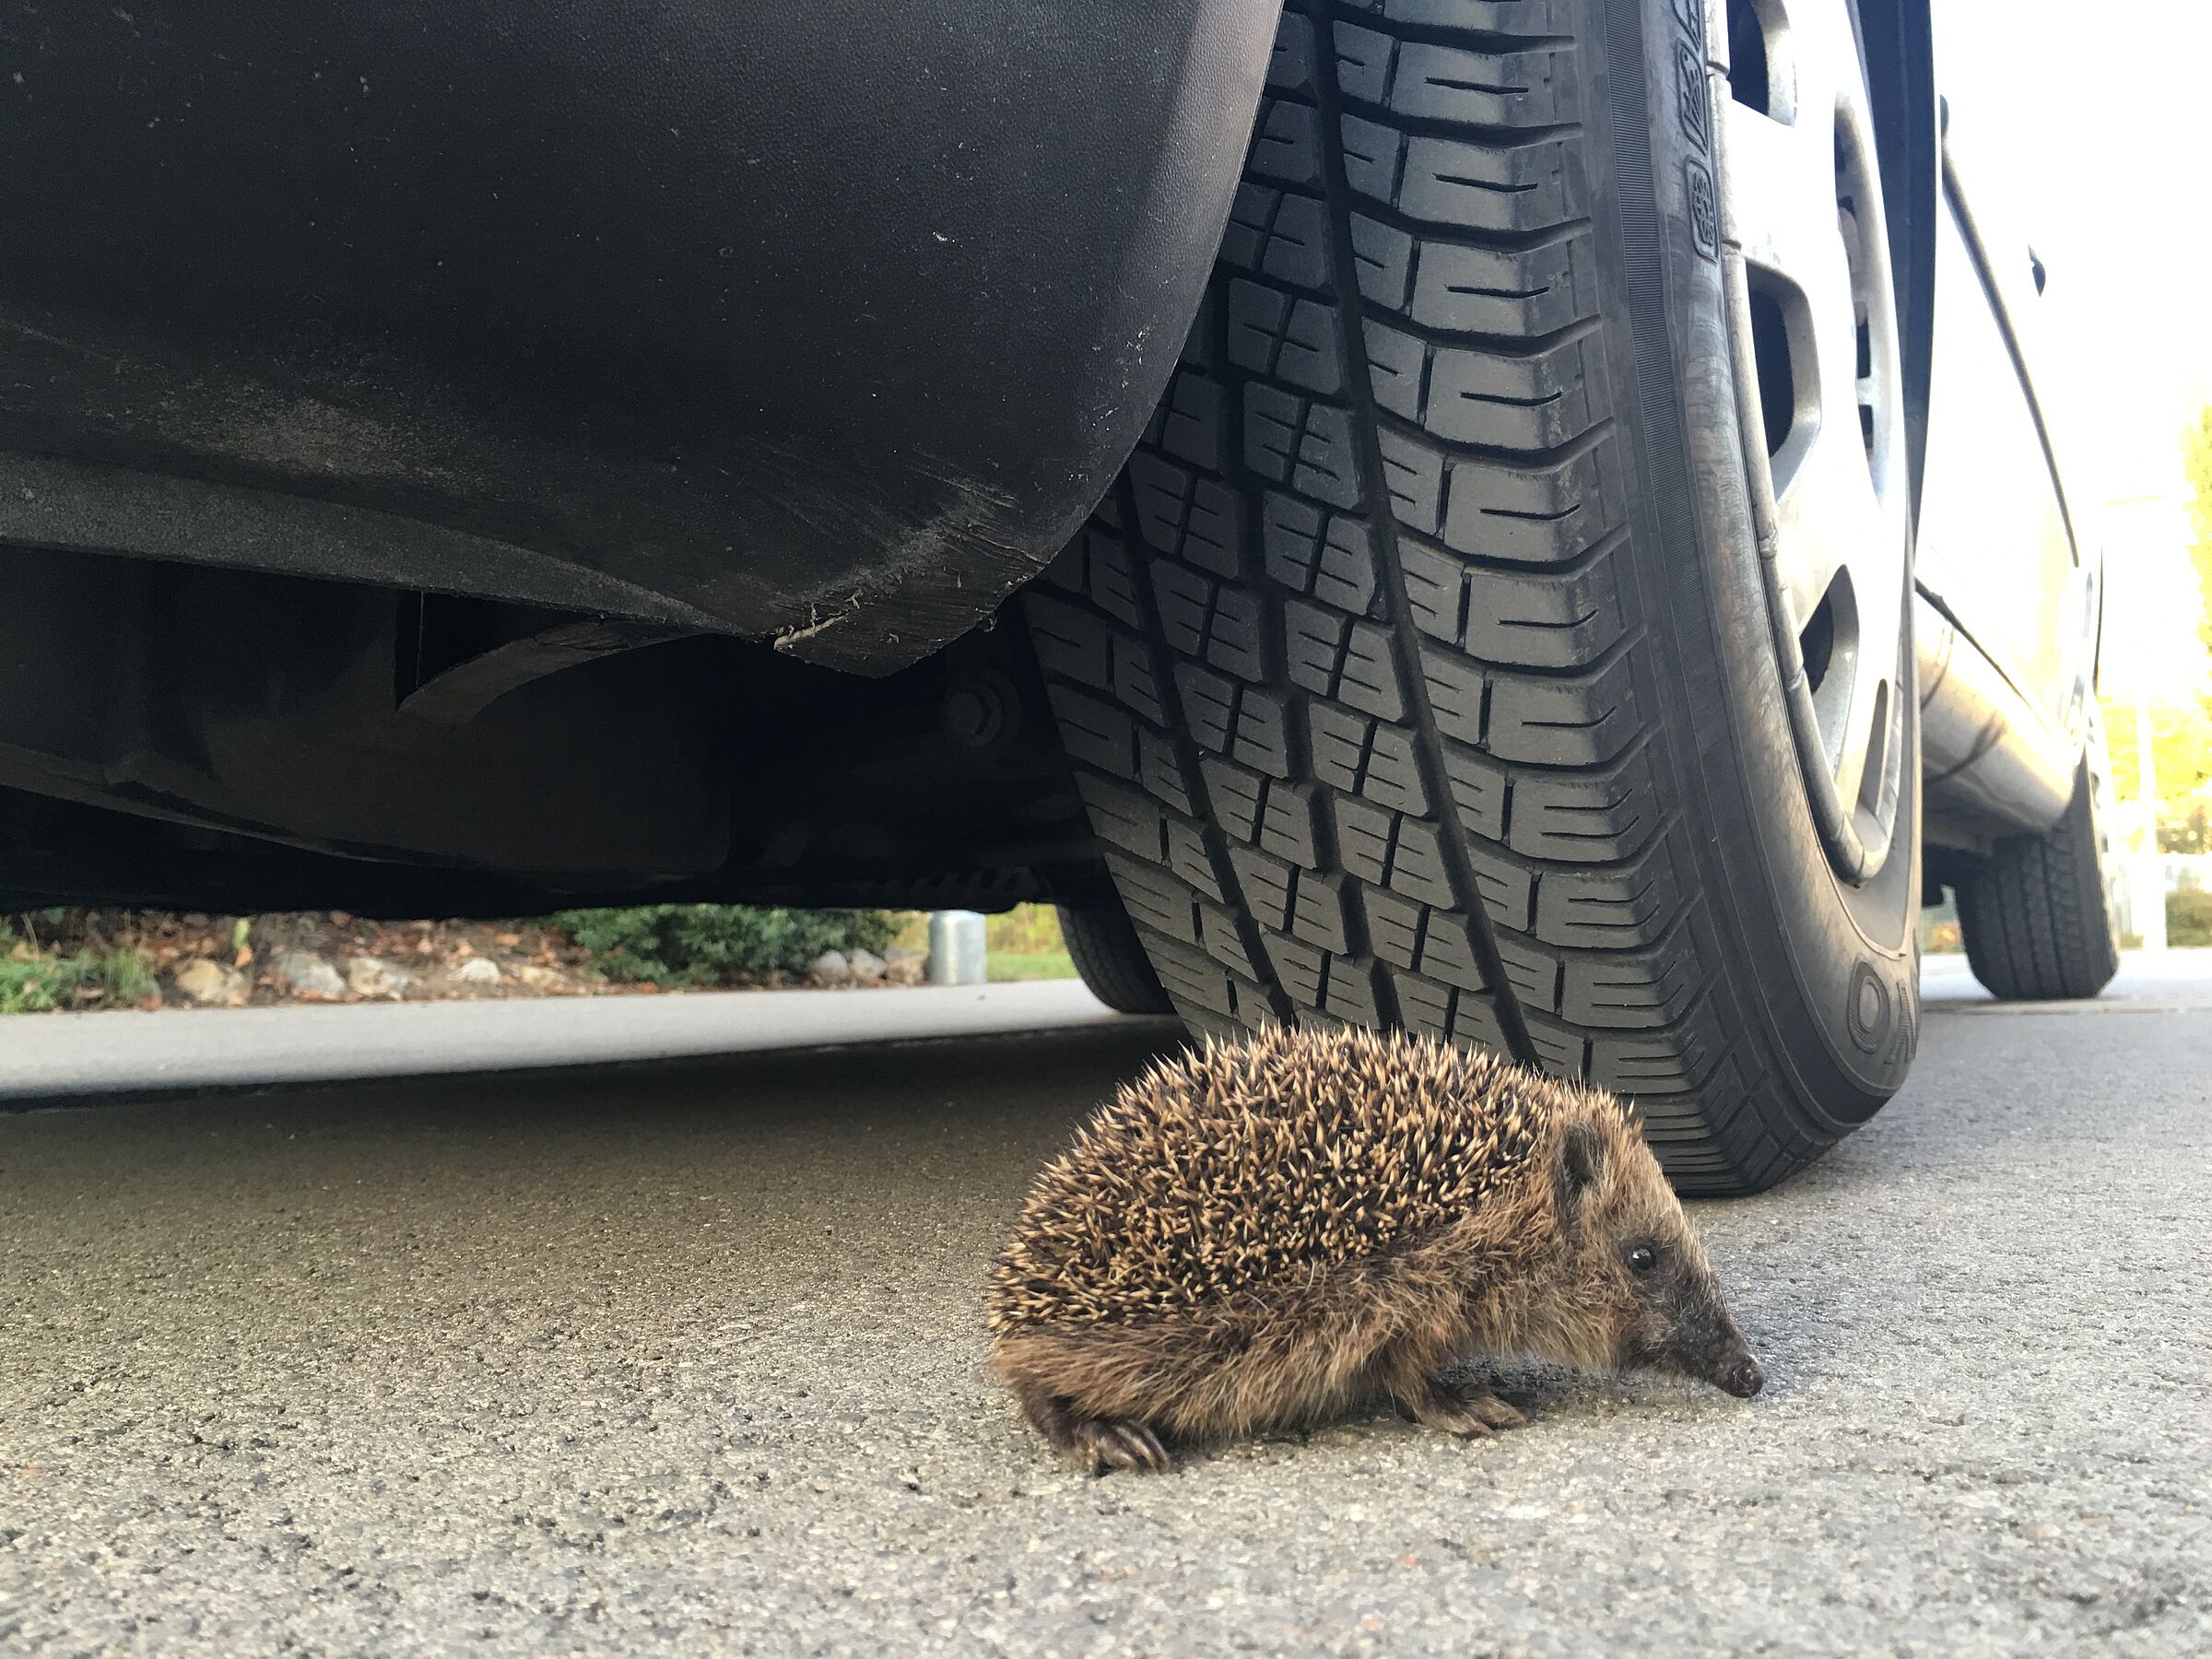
(2146, 981)
(687, 1357)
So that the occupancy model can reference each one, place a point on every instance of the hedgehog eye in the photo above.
(1642, 1259)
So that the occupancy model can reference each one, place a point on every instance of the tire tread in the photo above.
(1390, 626)
(2032, 914)
(1113, 960)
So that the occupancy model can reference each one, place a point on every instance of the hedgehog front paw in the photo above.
(1103, 1444)
(1455, 1409)
(1097, 1444)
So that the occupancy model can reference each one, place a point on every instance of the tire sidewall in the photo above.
(2095, 786)
(1826, 969)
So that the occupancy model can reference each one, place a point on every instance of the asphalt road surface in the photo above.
(688, 1356)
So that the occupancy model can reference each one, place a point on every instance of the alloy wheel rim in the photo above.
(1820, 404)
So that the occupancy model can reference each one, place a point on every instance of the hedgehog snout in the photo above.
(1719, 1355)
(1743, 1378)
(1705, 1343)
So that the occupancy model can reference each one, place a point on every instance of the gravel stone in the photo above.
(210, 983)
(308, 973)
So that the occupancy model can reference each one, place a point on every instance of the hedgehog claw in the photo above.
(1104, 1443)
(1493, 1410)
(1470, 1413)
(1452, 1420)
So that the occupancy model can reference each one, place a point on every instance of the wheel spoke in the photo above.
(1873, 689)
(1780, 199)
(1824, 515)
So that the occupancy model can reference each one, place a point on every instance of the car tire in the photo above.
(2037, 916)
(1420, 670)
(1112, 960)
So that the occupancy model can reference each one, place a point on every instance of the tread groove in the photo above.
(1382, 531)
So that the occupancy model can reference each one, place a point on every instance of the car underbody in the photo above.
(183, 736)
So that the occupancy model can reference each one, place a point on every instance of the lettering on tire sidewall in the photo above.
(1693, 111)
(1867, 1008)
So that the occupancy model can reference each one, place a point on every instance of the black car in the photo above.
(1521, 520)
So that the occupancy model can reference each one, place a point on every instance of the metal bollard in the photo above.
(956, 949)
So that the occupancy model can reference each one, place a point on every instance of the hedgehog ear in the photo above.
(1582, 1161)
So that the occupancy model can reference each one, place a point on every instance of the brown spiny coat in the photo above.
(1270, 1231)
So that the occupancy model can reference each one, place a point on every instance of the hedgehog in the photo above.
(1267, 1233)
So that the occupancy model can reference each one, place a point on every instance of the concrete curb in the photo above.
(58, 1055)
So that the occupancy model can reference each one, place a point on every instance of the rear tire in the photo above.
(1112, 960)
(1419, 671)
(2037, 916)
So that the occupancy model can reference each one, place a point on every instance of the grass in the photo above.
(37, 981)
(1025, 944)
(1007, 966)
(2189, 917)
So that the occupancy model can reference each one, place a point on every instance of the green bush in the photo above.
(2189, 917)
(676, 945)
